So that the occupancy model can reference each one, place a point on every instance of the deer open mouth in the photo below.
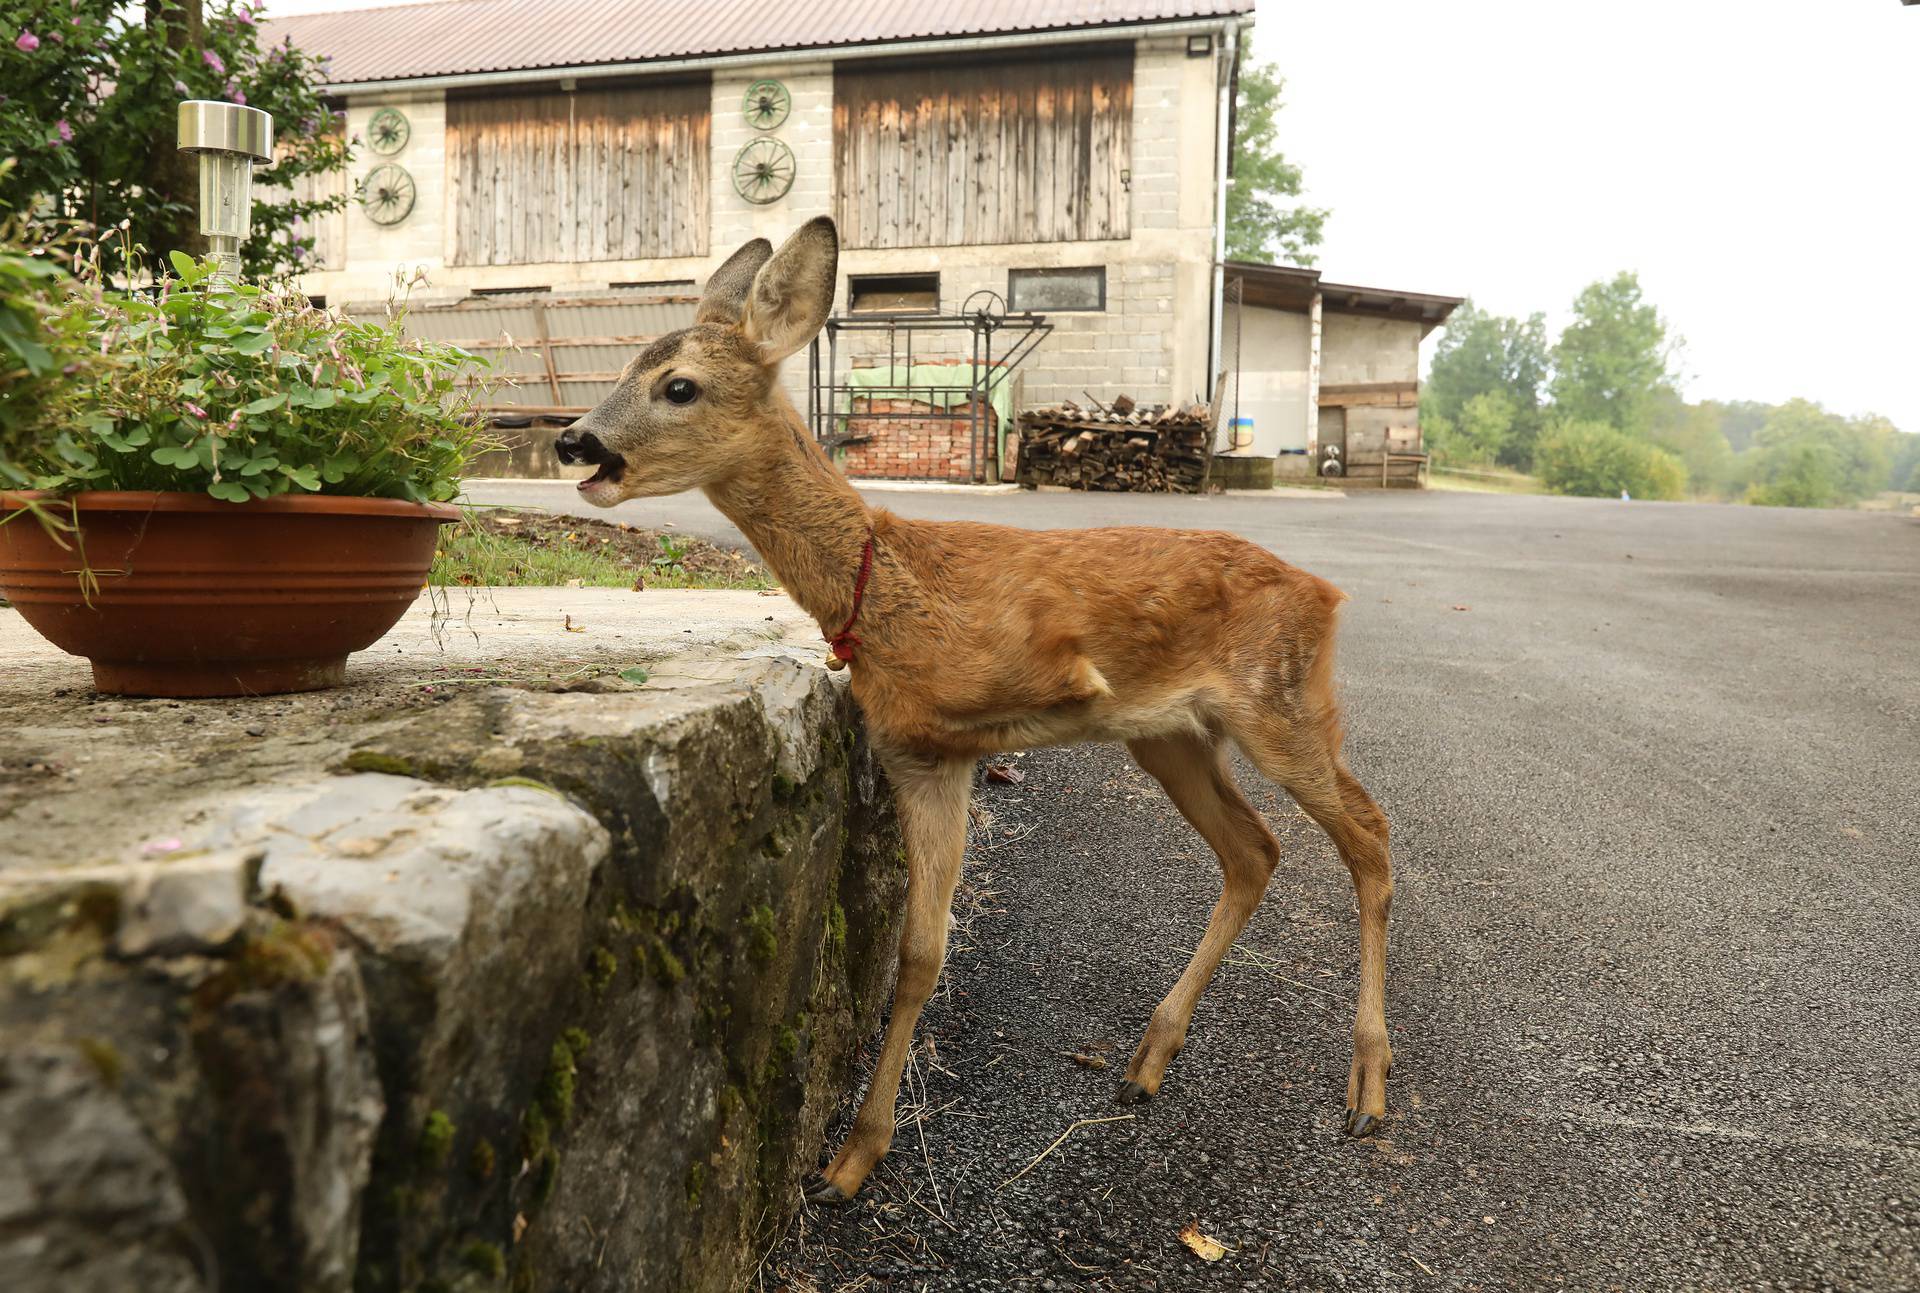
(608, 465)
(606, 471)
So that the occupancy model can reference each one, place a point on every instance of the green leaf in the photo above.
(264, 403)
(231, 490)
(182, 265)
(252, 343)
(305, 477)
(634, 675)
(340, 466)
(323, 398)
(172, 455)
(254, 466)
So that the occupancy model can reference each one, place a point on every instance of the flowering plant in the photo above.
(246, 392)
(88, 97)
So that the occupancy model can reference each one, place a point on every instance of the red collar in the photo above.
(841, 644)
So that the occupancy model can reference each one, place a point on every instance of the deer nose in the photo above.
(571, 447)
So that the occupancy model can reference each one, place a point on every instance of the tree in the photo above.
(1691, 432)
(1483, 354)
(1600, 461)
(1479, 435)
(1805, 456)
(93, 120)
(1612, 361)
(1259, 223)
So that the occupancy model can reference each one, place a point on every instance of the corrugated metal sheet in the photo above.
(459, 36)
(613, 327)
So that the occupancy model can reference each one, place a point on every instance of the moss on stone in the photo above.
(786, 1044)
(535, 1133)
(546, 1178)
(602, 965)
(577, 1041)
(526, 783)
(436, 1141)
(287, 952)
(837, 931)
(556, 1085)
(106, 1060)
(667, 967)
(762, 943)
(696, 1181)
(782, 785)
(484, 1258)
(480, 1160)
(375, 761)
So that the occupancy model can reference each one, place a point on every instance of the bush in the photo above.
(44, 354)
(1594, 460)
(247, 393)
(92, 89)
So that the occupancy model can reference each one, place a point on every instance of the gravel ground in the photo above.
(1654, 773)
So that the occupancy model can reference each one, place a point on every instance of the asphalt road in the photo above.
(1654, 775)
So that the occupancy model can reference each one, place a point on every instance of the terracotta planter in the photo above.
(198, 597)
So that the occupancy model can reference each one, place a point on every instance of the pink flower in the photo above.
(62, 129)
(195, 409)
(244, 17)
(180, 88)
(212, 60)
(27, 43)
(235, 93)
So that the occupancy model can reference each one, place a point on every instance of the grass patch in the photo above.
(1484, 480)
(510, 548)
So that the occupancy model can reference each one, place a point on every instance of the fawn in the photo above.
(967, 640)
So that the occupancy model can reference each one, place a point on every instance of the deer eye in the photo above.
(681, 391)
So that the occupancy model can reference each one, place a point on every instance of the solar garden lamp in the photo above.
(230, 140)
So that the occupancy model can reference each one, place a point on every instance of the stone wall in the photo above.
(531, 990)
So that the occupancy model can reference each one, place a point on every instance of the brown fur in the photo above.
(978, 639)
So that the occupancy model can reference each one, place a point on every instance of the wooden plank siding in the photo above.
(596, 175)
(946, 153)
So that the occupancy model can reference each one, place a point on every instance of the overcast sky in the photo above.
(1757, 161)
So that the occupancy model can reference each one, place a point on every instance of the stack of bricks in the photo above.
(936, 446)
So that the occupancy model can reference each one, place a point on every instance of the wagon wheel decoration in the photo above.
(767, 104)
(388, 132)
(387, 194)
(763, 172)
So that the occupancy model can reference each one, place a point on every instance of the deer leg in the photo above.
(1319, 782)
(932, 799)
(1195, 775)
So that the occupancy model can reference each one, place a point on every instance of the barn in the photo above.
(1029, 196)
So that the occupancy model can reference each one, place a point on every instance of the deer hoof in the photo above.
(826, 1192)
(1359, 1125)
(1131, 1093)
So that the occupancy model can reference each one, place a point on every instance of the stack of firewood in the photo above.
(1119, 446)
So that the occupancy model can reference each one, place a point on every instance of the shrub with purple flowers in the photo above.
(88, 95)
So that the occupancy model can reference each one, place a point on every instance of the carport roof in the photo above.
(499, 37)
(1291, 287)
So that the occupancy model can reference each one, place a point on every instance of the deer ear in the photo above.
(793, 293)
(726, 296)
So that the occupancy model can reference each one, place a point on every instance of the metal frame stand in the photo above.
(1017, 335)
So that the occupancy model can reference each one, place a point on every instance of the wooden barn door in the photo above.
(594, 175)
(944, 153)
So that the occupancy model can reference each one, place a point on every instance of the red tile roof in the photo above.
(464, 36)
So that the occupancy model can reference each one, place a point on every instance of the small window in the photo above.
(671, 285)
(317, 302)
(894, 293)
(1053, 290)
(507, 291)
